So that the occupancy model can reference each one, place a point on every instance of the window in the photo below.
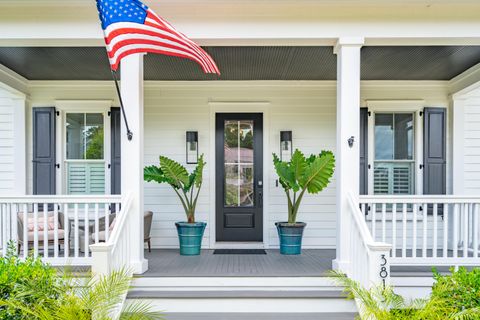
(85, 161)
(394, 160)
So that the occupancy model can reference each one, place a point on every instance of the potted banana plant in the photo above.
(187, 187)
(298, 176)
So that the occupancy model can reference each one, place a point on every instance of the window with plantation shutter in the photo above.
(85, 160)
(394, 153)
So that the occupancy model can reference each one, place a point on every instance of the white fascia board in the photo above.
(255, 22)
(465, 83)
(13, 82)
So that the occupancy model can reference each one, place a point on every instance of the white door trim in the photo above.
(240, 107)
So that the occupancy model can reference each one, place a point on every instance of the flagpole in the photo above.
(129, 133)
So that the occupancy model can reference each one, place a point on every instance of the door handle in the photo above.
(260, 199)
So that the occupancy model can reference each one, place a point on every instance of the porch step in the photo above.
(261, 316)
(319, 294)
(243, 297)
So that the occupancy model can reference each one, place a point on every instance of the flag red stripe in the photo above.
(161, 22)
(184, 40)
(192, 56)
(126, 42)
(140, 50)
(131, 31)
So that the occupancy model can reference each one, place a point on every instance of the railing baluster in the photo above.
(87, 231)
(45, 230)
(445, 230)
(107, 221)
(55, 230)
(465, 229)
(66, 218)
(384, 223)
(475, 230)
(14, 218)
(25, 231)
(455, 230)
(96, 223)
(374, 221)
(394, 230)
(414, 231)
(435, 231)
(3, 220)
(425, 217)
(35, 230)
(75, 226)
(404, 231)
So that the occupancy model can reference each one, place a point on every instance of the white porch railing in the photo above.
(426, 230)
(369, 260)
(115, 253)
(59, 229)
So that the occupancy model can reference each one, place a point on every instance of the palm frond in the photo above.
(140, 311)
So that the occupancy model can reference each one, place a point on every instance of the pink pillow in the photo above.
(41, 223)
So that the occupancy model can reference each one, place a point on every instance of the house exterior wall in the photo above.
(172, 108)
(12, 143)
(467, 129)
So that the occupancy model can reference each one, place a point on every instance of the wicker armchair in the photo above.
(21, 224)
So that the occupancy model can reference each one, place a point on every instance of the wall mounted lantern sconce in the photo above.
(192, 147)
(351, 140)
(286, 148)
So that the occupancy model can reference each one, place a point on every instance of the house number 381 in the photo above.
(383, 269)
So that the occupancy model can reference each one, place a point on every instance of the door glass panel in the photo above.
(246, 187)
(239, 171)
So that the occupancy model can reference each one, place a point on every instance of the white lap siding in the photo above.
(308, 111)
(12, 144)
(307, 108)
(472, 146)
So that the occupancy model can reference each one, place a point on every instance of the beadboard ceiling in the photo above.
(248, 63)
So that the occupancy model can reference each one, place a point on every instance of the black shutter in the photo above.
(435, 155)
(363, 150)
(44, 151)
(115, 118)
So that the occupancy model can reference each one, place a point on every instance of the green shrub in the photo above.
(460, 290)
(32, 276)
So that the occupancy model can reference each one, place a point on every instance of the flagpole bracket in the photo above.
(129, 135)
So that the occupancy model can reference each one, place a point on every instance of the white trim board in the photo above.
(240, 107)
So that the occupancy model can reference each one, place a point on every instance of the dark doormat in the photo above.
(239, 251)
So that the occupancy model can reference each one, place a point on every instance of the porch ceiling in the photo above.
(248, 63)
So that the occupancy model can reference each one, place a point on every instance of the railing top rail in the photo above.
(360, 224)
(419, 199)
(31, 199)
(119, 225)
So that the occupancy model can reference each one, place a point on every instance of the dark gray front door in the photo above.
(239, 172)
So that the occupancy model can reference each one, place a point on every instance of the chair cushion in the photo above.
(50, 235)
(40, 223)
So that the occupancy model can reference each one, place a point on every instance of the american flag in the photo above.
(131, 27)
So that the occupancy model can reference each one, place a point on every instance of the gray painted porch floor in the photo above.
(168, 263)
(311, 263)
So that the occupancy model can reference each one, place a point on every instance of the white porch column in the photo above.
(132, 154)
(348, 125)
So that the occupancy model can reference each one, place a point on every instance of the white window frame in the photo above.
(81, 106)
(397, 106)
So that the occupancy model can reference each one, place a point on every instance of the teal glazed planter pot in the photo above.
(190, 236)
(290, 236)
